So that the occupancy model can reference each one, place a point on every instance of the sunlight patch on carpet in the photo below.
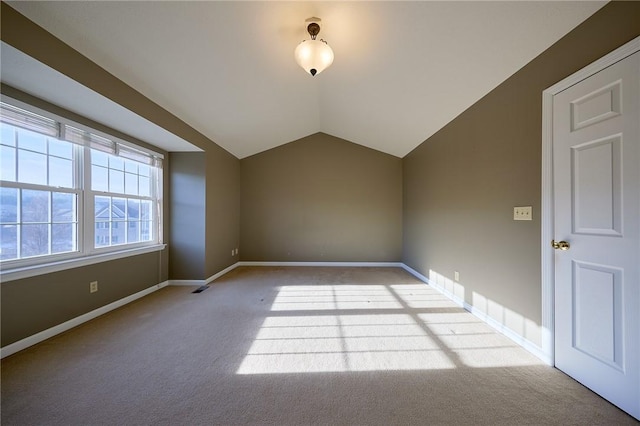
(325, 297)
(394, 328)
(330, 343)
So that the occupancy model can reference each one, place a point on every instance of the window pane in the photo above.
(118, 233)
(116, 163)
(133, 232)
(99, 158)
(145, 187)
(35, 240)
(145, 210)
(99, 178)
(8, 163)
(8, 135)
(32, 141)
(118, 209)
(133, 209)
(63, 207)
(32, 167)
(8, 205)
(8, 242)
(60, 172)
(145, 231)
(62, 239)
(130, 184)
(131, 166)
(102, 234)
(35, 206)
(60, 149)
(144, 170)
(116, 181)
(102, 208)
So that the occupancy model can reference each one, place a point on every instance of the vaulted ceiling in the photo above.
(402, 70)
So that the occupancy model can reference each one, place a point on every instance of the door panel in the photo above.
(597, 316)
(596, 163)
(597, 188)
(597, 106)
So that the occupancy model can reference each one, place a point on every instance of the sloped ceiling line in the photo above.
(402, 70)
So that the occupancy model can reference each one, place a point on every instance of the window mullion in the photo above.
(156, 175)
(46, 166)
(15, 157)
(19, 226)
(50, 223)
(88, 219)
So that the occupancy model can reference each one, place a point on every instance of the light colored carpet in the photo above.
(292, 346)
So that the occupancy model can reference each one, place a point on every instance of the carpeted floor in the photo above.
(292, 346)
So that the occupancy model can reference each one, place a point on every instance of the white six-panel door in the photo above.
(596, 184)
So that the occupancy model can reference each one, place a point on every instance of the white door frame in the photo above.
(548, 264)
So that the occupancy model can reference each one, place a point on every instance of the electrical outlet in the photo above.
(93, 286)
(522, 213)
(236, 251)
(456, 275)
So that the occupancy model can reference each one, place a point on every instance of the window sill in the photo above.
(47, 268)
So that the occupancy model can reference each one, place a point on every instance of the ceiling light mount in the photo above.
(313, 29)
(314, 56)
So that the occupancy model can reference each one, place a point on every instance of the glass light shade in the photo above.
(314, 56)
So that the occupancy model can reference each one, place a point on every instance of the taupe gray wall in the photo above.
(223, 210)
(32, 305)
(205, 217)
(187, 185)
(460, 186)
(321, 198)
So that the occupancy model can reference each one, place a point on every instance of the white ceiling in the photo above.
(402, 70)
(25, 73)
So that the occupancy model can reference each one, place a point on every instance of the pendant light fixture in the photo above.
(314, 56)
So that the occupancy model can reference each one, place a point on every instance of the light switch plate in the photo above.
(522, 213)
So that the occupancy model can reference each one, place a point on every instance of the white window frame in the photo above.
(86, 253)
(90, 194)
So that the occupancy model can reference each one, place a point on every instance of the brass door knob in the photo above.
(560, 245)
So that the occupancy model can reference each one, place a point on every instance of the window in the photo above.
(114, 177)
(68, 192)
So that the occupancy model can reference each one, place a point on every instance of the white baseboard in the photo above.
(517, 338)
(457, 300)
(196, 283)
(336, 264)
(499, 327)
(61, 328)
(199, 283)
(221, 273)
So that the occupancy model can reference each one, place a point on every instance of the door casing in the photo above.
(547, 213)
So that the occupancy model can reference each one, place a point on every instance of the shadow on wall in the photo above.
(487, 309)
